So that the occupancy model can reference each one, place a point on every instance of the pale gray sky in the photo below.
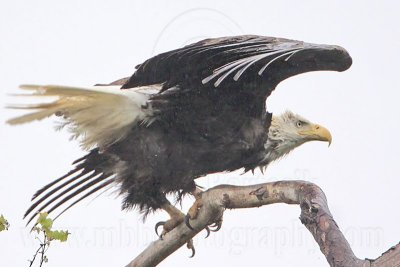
(88, 42)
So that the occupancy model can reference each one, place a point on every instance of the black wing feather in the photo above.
(191, 65)
(228, 79)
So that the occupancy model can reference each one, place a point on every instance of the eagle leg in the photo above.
(177, 217)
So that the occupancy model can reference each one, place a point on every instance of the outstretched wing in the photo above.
(213, 87)
(99, 115)
(240, 62)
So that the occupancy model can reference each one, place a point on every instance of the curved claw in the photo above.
(217, 225)
(157, 226)
(190, 246)
(208, 231)
(217, 228)
(187, 222)
(193, 252)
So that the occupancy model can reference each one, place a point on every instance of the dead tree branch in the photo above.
(315, 215)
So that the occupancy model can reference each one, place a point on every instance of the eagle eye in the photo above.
(299, 124)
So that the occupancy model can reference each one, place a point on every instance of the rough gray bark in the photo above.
(390, 258)
(315, 215)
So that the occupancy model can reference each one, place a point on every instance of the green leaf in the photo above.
(45, 222)
(61, 236)
(3, 223)
(46, 225)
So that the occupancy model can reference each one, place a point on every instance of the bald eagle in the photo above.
(183, 114)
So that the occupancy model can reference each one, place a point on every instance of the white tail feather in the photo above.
(99, 115)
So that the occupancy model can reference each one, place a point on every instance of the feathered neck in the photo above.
(282, 138)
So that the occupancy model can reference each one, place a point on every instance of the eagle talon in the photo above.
(216, 225)
(176, 218)
(190, 245)
(194, 209)
(187, 222)
(156, 229)
(208, 232)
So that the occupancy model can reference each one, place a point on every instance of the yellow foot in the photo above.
(177, 217)
(194, 211)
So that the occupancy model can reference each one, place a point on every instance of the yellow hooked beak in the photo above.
(317, 133)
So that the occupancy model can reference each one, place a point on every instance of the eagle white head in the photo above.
(288, 131)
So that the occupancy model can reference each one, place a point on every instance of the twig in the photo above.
(34, 256)
(41, 250)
